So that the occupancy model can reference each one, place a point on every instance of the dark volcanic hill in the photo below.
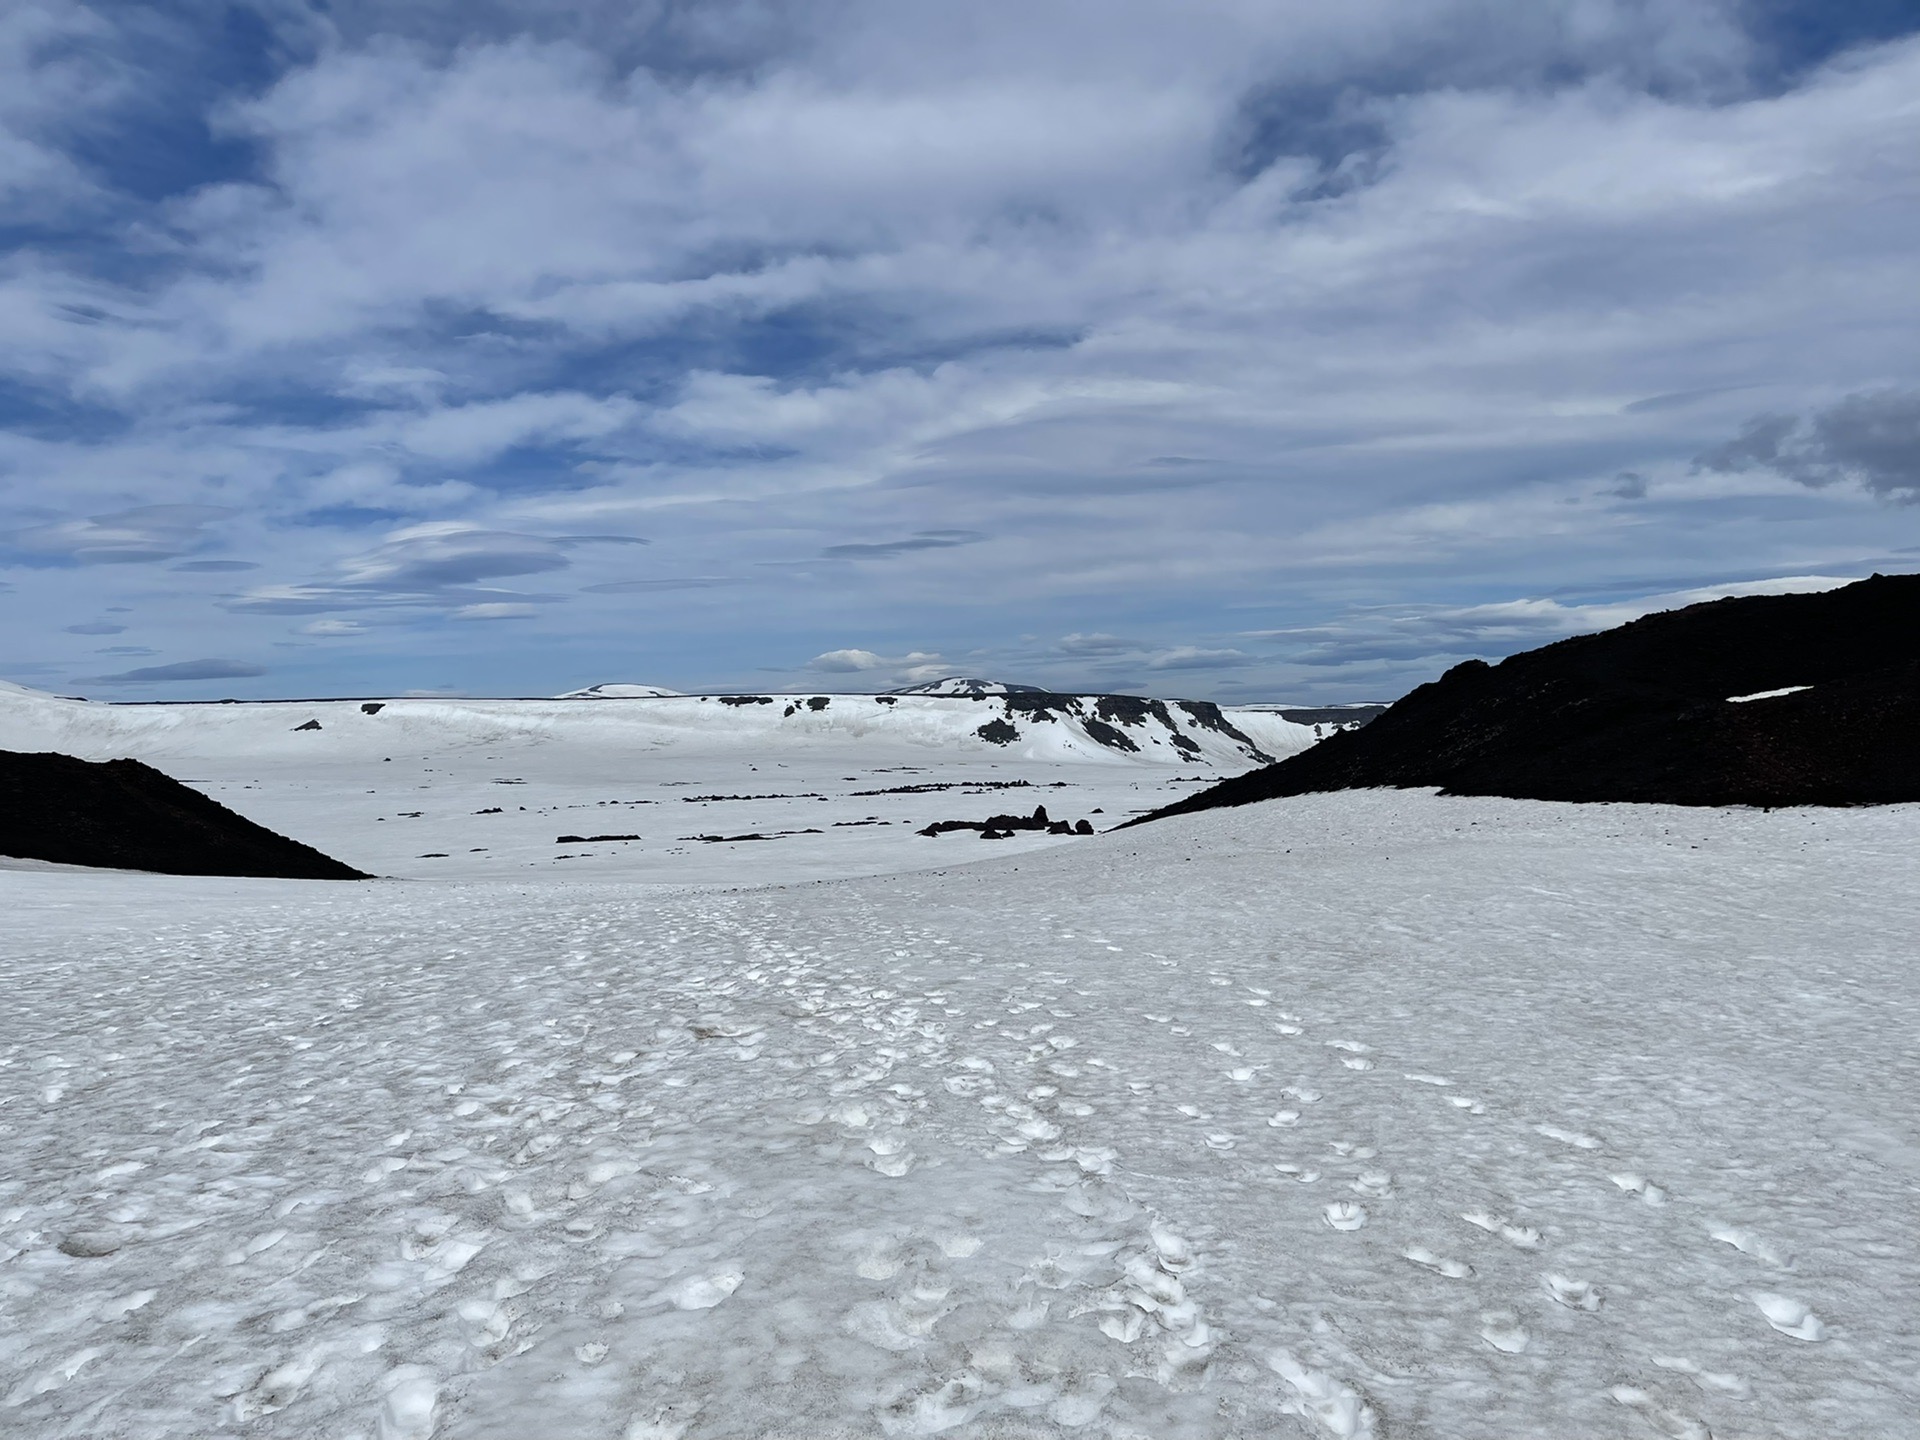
(123, 815)
(1647, 712)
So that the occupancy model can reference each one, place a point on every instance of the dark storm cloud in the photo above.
(1871, 439)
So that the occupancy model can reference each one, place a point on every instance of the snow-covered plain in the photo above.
(485, 788)
(1376, 1114)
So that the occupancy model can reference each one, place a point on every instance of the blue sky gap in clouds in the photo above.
(1235, 349)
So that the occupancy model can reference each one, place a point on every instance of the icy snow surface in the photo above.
(1373, 1114)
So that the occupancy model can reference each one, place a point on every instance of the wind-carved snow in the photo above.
(989, 1152)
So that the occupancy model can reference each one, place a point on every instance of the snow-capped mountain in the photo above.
(967, 687)
(622, 692)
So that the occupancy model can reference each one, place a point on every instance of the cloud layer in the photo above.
(914, 330)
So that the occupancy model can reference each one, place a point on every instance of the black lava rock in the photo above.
(1654, 712)
(122, 815)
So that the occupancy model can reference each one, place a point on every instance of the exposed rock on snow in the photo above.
(999, 827)
(123, 815)
(1642, 713)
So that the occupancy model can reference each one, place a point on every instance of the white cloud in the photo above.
(846, 662)
(493, 610)
(1194, 657)
(140, 535)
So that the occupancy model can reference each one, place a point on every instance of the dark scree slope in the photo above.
(1644, 713)
(120, 814)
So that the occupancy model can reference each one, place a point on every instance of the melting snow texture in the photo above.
(1373, 1114)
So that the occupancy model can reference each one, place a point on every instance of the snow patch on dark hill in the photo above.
(1765, 700)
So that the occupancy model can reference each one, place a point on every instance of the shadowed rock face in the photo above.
(120, 814)
(1654, 711)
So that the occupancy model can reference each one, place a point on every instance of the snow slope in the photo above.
(1373, 1114)
(476, 788)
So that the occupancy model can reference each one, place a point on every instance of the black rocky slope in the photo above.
(123, 815)
(1645, 713)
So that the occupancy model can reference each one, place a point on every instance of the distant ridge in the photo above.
(968, 687)
(122, 815)
(1759, 700)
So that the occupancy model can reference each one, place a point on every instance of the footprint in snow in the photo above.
(702, 1292)
(1171, 1248)
(1351, 1046)
(1524, 1236)
(1372, 1184)
(1468, 1104)
(1284, 1119)
(1298, 1173)
(1668, 1422)
(1636, 1184)
(1791, 1317)
(1710, 1380)
(1440, 1265)
(1345, 1215)
(1501, 1329)
(407, 1411)
(1339, 1409)
(1574, 1294)
(1567, 1137)
(1748, 1243)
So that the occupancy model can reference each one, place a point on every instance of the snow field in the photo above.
(1372, 1114)
(483, 789)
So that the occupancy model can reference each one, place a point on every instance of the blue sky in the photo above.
(1230, 349)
